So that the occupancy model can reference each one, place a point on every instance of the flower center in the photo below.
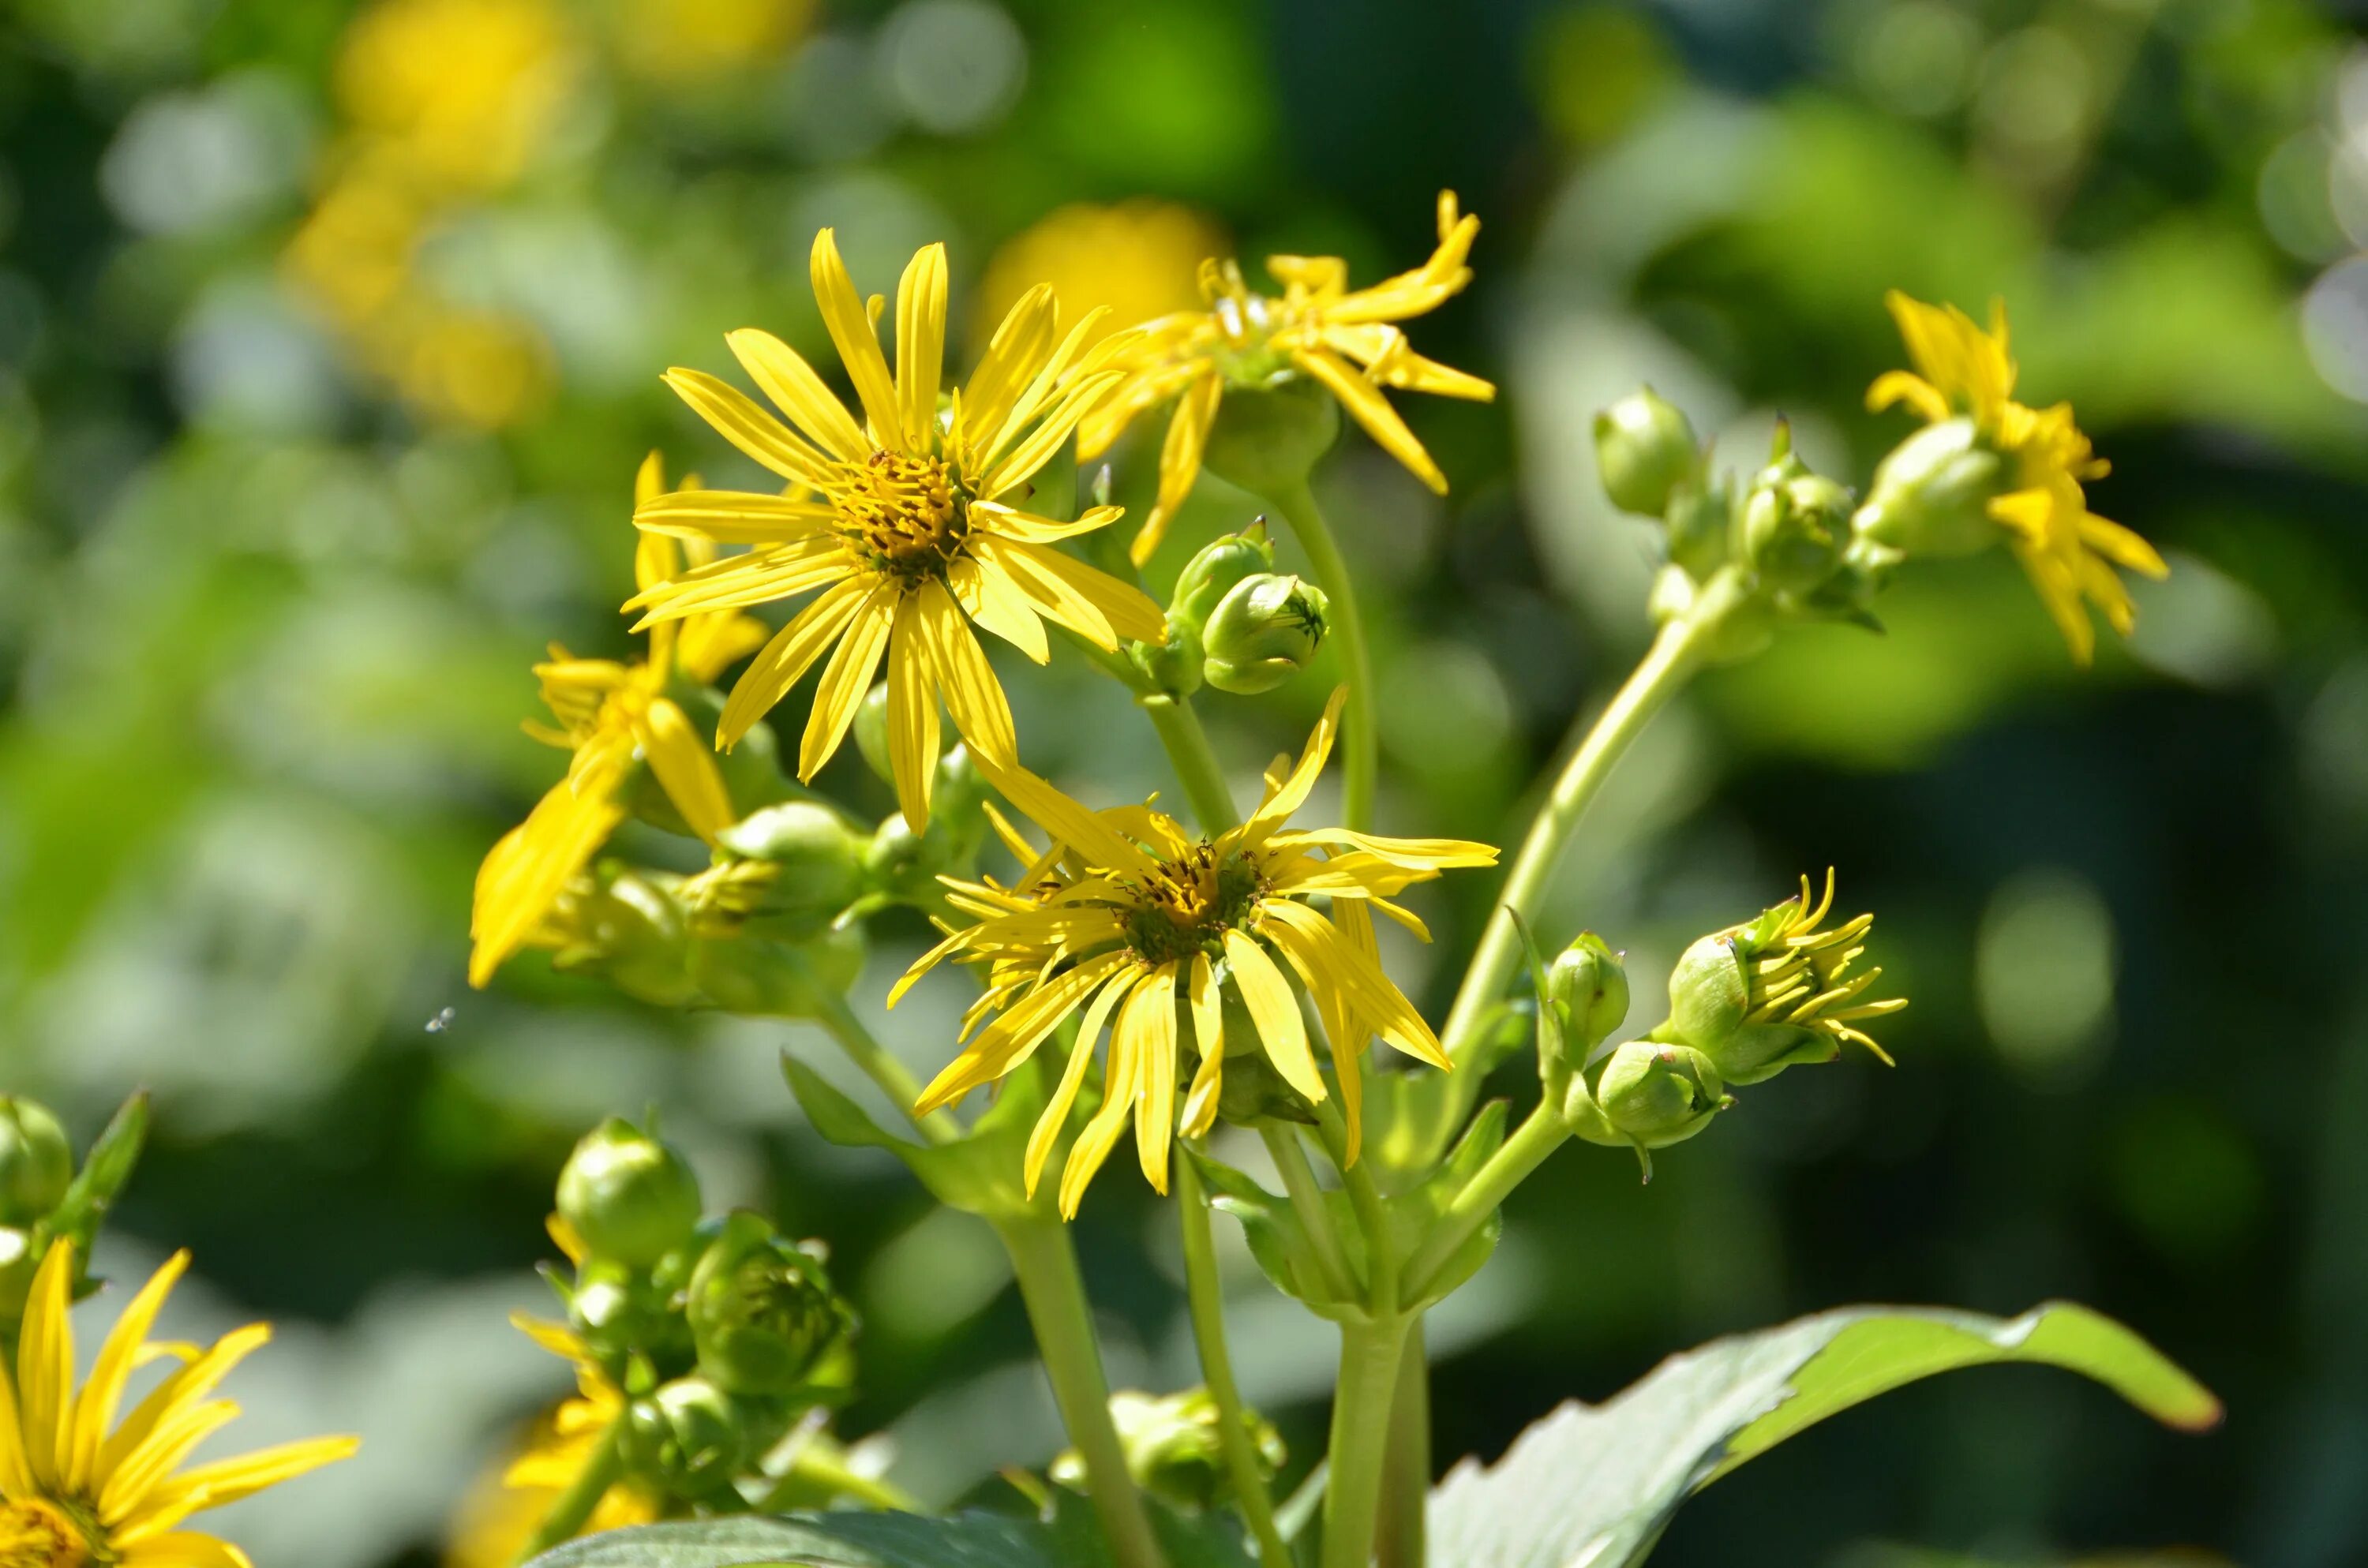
(909, 514)
(34, 1534)
(1187, 905)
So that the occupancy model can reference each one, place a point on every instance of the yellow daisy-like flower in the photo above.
(906, 521)
(1129, 917)
(1797, 975)
(2068, 551)
(74, 1493)
(1319, 327)
(611, 715)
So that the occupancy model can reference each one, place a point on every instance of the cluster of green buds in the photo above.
(1235, 622)
(718, 1335)
(1175, 1448)
(1745, 1004)
(1787, 528)
(45, 1197)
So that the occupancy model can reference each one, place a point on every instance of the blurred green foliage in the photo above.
(329, 340)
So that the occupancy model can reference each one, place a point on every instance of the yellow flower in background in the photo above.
(906, 521)
(611, 716)
(456, 94)
(1137, 259)
(2068, 551)
(1126, 916)
(1344, 339)
(685, 41)
(74, 1493)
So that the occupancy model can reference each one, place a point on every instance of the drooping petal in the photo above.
(1013, 1037)
(1325, 961)
(1047, 1131)
(1150, 1016)
(911, 714)
(973, 696)
(1275, 1011)
(793, 650)
(685, 766)
(1369, 408)
(1209, 1038)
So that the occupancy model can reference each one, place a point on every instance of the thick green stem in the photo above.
(1046, 1266)
(1370, 1354)
(573, 1508)
(1195, 762)
(881, 1065)
(1405, 1469)
(1205, 1294)
(1307, 1201)
(1362, 744)
(1676, 654)
(1524, 1151)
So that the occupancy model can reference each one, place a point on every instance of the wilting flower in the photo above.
(1318, 327)
(73, 1493)
(906, 522)
(610, 715)
(1127, 914)
(1964, 372)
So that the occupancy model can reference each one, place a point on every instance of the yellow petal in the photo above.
(104, 1394)
(45, 1363)
(738, 419)
(1288, 796)
(1089, 601)
(529, 867)
(1275, 1011)
(1013, 1037)
(1049, 1126)
(1067, 821)
(791, 653)
(685, 766)
(1179, 460)
(921, 342)
(911, 714)
(848, 677)
(1209, 1038)
(1011, 363)
(729, 516)
(784, 375)
(849, 325)
(1150, 1016)
(1369, 408)
(739, 581)
(973, 696)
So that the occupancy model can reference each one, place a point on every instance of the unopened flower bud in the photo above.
(818, 860)
(1657, 1093)
(1268, 435)
(1588, 987)
(760, 977)
(1795, 524)
(1174, 1448)
(1174, 665)
(762, 1313)
(871, 732)
(1211, 575)
(36, 1161)
(1645, 448)
(691, 1435)
(1931, 495)
(1699, 523)
(626, 927)
(630, 1197)
(1262, 633)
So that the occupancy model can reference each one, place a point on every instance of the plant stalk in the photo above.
(1524, 1151)
(1205, 1294)
(1307, 1201)
(572, 1509)
(881, 1065)
(1195, 762)
(1046, 1266)
(1370, 1353)
(1362, 745)
(1405, 1469)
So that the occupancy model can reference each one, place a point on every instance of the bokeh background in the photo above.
(329, 341)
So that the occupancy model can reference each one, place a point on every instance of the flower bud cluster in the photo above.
(718, 1336)
(1174, 1449)
(1235, 622)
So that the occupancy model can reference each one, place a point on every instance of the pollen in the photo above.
(34, 1534)
(1187, 904)
(908, 514)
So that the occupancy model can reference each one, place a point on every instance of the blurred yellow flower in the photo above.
(1127, 914)
(2068, 551)
(458, 93)
(610, 715)
(1344, 339)
(1137, 259)
(73, 1493)
(689, 40)
(906, 522)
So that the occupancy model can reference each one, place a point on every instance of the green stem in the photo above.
(821, 1463)
(1362, 743)
(1205, 1295)
(1524, 1151)
(1370, 1353)
(574, 1506)
(1365, 1201)
(1405, 1469)
(1676, 654)
(1195, 762)
(1046, 1267)
(881, 1065)
(1307, 1200)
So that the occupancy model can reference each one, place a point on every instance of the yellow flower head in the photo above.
(456, 94)
(1318, 327)
(1798, 974)
(610, 715)
(904, 520)
(1129, 917)
(2068, 551)
(74, 1493)
(1138, 259)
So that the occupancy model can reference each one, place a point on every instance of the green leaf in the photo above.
(1277, 1239)
(978, 1172)
(104, 1171)
(1596, 1484)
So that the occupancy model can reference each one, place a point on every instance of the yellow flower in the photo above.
(1318, 327)
(459, 93)
(73, 1493)
(610, 715)
(906, 522)
(1138, 259)
(2068, 551)
(1127, 916)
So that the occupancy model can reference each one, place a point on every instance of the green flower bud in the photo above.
(871, 732)
(630, 1197)
(1795, 524)
(1587, 985)
(1210, 575)
(691, 1436)
(1262, 633)
(1657, 1093)
(1931, 495)
(1699, 522)
(1173, 666)
(37, 1162)
(629, 928)
(1645, 449)
(819, 862)
(1268, 436)
(764, 978)
(1174, 1448)
(762, 1313)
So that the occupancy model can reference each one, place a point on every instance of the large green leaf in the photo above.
(1593, 1486)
